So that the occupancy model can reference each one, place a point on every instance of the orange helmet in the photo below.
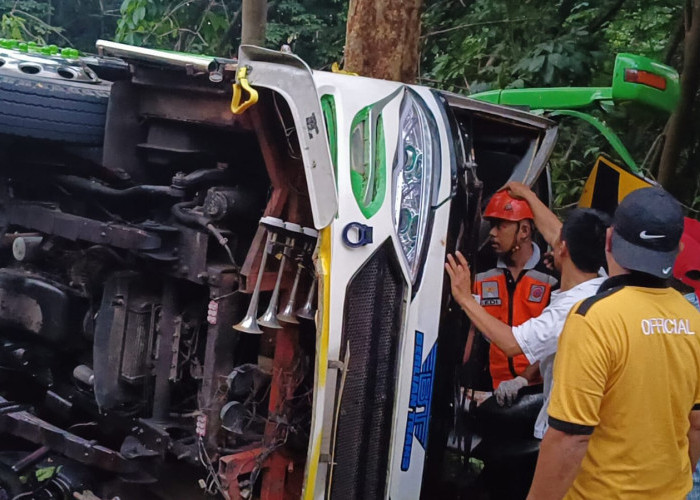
(503, 206)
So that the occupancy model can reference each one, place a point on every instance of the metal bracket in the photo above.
(335, 364)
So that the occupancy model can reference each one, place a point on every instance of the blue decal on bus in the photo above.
(421, 396)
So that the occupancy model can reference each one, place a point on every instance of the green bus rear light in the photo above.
(645, 78)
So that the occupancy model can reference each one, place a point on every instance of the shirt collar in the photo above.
(633, 279)
(593, 282)
(531, 262)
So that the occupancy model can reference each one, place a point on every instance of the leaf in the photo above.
(517, 84)
(548, 74)
(139, 14)
(536, 63)
(555, 60)
(45, 473)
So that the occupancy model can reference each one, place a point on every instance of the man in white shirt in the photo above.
(579, 253)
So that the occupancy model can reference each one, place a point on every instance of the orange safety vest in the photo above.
(513, 302)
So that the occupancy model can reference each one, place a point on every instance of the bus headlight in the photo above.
(415, 179)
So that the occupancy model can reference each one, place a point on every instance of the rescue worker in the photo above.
(624, 416)
(517, 289)
(579, 254)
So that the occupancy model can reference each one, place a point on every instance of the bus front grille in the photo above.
(371, 331)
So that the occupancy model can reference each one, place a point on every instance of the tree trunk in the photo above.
(254, 22)
(674, 42)
(679, 125)
(382, 38)
(226, 44)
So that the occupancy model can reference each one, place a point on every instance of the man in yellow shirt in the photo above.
(625, 410)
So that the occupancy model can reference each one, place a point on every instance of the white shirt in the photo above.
(538, 337)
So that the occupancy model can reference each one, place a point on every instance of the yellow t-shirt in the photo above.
(628, 370)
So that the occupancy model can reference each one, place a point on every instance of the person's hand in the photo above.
(508, 390)
(548, 261)
(517, 189)
(457, 268)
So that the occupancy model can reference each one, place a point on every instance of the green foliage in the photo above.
(554, 61)
(486, 44)
(197, 26)
(572, 159)
(477, 45)
(75, 23)
(46, 473)
(26, 20)
(315, 29)
(644, 28)
(483, 45)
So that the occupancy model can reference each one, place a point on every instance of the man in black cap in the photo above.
(624, 418)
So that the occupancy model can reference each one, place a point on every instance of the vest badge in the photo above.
(536, 293)
(489, 290)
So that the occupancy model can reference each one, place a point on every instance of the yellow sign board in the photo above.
(608, 184)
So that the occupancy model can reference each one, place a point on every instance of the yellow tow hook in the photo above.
(335, 68)
(238, 107)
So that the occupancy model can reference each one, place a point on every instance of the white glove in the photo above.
(508, 390)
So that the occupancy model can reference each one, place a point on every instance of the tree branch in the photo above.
(675, 41)
(41, 23)
(653, 153)
(565, 9)
(226, 40)
(598, 23)
(570, 149)
(483, 23)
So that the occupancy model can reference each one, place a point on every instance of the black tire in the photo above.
(51, 109)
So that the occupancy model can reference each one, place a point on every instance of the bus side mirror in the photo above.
(643, 80)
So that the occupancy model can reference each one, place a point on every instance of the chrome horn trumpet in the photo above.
(248, 324)
(287, 314)
(308, 311)
(269, 317)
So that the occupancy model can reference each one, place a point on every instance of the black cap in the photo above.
(647, 227)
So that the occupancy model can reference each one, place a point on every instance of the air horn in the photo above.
(248, 324)
(269, 317)
(287, 314)
(308, 311)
